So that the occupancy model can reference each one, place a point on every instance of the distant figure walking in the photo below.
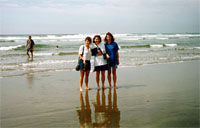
(29, 46)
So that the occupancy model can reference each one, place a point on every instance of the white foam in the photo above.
(82, 36)
(156, 46)
(170, 45)
(190, 57)
(54, 38)
(127, 66)
(45, 54)
(14, 38)
(82, 39)
(120, 35)
(9, 47)
(130, 38)
(162, 38)
(189, 48)
(120, 51)
(141, 50)
(48, 62)
(9, 66)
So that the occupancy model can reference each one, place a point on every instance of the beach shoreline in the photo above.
(160, 95)
(135, 50)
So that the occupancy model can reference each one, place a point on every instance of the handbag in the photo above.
(79, 59)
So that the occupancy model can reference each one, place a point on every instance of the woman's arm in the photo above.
(82, 58)
(81, 51)
(117, 57)
(33, 48)
(26, 46)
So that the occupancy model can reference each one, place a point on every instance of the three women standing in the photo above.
(107, 51)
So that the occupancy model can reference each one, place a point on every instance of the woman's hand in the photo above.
(84, 62)
(117, 58)
(118, 61)
(107, 56)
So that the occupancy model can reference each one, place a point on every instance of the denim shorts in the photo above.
(29, 50)
(87, 67)
(113, 66)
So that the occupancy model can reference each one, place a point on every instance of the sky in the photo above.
(99, 16)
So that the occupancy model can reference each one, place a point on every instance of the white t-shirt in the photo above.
(98, 59)
(87, 52)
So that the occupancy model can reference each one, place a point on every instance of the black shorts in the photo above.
(29, 50)
(87, 67)
(101, 68)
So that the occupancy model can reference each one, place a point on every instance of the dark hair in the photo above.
(109, 34)
(88, 38)
(29, 36)
(97, 36)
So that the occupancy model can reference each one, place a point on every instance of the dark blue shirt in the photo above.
(111, 50)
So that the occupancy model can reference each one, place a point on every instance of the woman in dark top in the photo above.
(112, 50)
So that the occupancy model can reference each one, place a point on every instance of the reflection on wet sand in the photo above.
(105, 115)
(85, 112)
(30, 79)
(30, 75)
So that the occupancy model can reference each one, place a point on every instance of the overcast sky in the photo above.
(98, 16)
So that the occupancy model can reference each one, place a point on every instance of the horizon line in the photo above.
(101, 33)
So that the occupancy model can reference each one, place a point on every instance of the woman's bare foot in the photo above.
(103, 87)
(98, 87)
(110, 87)
(115, 87)
(81, 89)
(87, 88)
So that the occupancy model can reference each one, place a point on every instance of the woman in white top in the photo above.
(100, 64)
(85, 65)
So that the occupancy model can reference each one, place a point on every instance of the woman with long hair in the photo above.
(112, 50)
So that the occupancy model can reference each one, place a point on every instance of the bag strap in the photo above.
(99, 48)
(83, 51)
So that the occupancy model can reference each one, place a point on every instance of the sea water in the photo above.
(135, 50)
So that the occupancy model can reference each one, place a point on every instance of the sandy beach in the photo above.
(161, 95)
(155, 42)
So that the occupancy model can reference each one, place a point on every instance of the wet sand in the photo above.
(165, 95)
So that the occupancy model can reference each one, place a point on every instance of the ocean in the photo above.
(135, 50)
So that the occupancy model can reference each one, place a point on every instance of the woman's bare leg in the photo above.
(97, 79)
(114, 77)
(81, 79)
(87, 73)
(109, 77)
(32, 54)
(103, 79)
(27, 54)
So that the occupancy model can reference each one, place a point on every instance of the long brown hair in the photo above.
(109, 34)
